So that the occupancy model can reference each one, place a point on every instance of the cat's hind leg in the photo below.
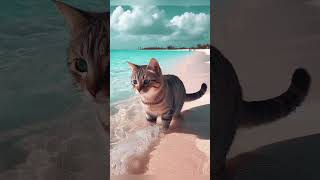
(178, 116)
(177, 120)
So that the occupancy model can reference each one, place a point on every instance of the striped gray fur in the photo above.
(230, 111)
(161, 95)
(88, 52)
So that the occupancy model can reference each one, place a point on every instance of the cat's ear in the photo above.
(75, 18)
(132, 66)
(154, 65)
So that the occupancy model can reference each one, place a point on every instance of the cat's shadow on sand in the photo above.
(294, 159)
(194, 121)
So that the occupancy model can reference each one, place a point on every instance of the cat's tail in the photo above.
(262, 112)
(196, 95)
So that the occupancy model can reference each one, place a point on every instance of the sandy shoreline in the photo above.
(186, 150)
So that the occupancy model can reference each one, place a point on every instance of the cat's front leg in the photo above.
(166, 119)
(152, 119)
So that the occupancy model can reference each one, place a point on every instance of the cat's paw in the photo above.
(164, 130)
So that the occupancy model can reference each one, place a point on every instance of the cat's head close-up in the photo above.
(88, 52)
(146, 78)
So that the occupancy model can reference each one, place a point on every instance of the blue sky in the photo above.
(145, 23)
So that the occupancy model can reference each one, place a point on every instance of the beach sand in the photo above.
(185, 150)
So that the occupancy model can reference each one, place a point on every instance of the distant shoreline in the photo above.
(205, 51)
(171, 49)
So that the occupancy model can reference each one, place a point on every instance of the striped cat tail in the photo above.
(261, 112)
(196, 95)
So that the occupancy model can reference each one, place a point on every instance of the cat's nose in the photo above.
(94, 86)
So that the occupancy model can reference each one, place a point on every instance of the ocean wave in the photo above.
(128, 116)
(131, 154)
(130, 141)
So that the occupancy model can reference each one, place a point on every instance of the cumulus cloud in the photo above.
(161, 2)
(190, 24)
(139, 20)
(144, 24)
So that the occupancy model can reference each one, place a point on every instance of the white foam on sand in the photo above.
(131, 155)
(130, 139)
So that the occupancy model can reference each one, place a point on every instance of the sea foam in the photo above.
(129, 139)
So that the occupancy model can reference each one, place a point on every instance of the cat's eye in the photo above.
(81, 65)
(134, 82)
(146, 81)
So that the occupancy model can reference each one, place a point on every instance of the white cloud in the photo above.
(149, 24)
(161, 2)
(190, 24)
(138, 20)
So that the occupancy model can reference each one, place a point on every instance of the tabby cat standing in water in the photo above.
(230, 111)
(161, 95)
